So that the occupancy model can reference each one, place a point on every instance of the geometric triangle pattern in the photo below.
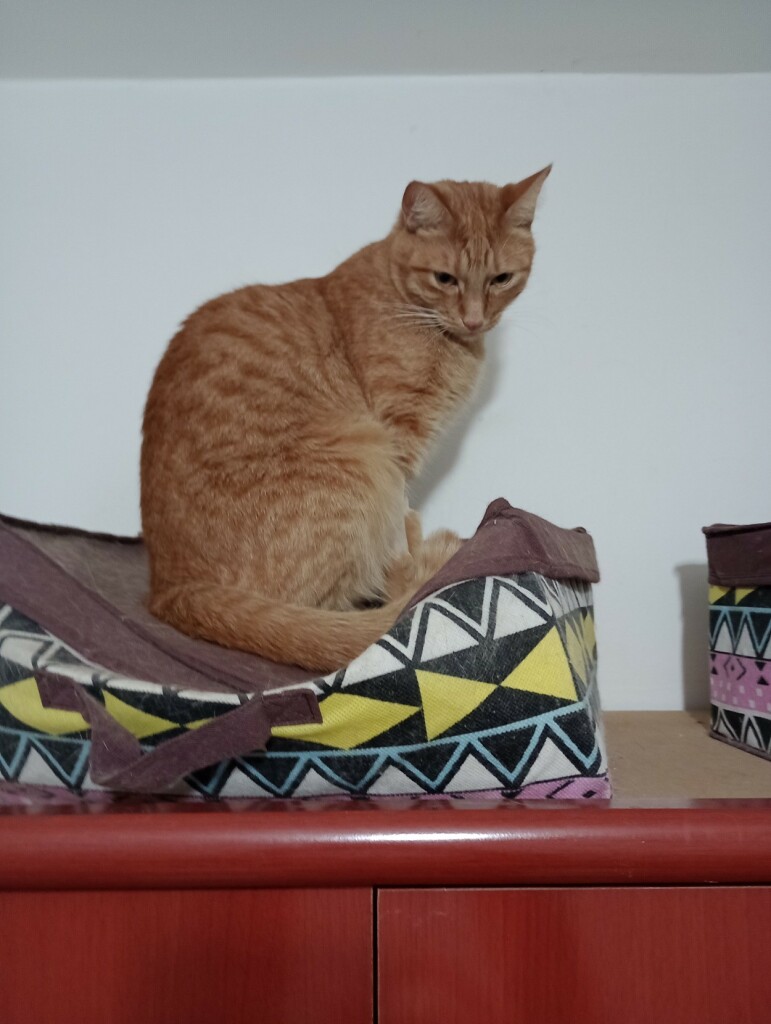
(446, 699)
(546, 668)
(349, 720)
(740, 666)
(486, 688)
(139, 723)
(21, 701)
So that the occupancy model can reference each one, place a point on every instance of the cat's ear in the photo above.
(519, 200)
(422, 209)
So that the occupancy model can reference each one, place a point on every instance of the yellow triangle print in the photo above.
(23, 702)
(139, 723)
(348, 721)
(545, 670)
(742, 592)
(448, 699)
(715, 593)
(575, 652)
(590, 640)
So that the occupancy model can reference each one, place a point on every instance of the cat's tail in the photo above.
(315, 638)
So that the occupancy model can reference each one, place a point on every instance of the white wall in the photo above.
(629, 392)
(286, 38)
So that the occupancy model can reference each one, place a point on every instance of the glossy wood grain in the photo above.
(593, 956)
(186, 957)
(509, 845)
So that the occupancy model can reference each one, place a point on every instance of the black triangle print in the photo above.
(283, 745)
(7, 721)
(270, 772)
(509, 748)
(430, 760)
(594, 766)
(396, 688)
(62, 756)
(579, 728)
(735, 620)
(211, 779)
(532, 583)
(351, 769)
(500, 657)
(714, 621)
(11, 672)
(559, 742)
(11, 746)
(734, 720)
(489, 661)
(751, 735)
(763, 725)
(467, 598)
(17, 623)
(761, 630)
(412, 730)
(401, 632)
(760, 598)
(713, 715)
(173, 709)
(505, 705)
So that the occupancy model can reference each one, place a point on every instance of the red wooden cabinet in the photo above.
(413, 913)
(590, 914)
(187, 957)
(587, 956)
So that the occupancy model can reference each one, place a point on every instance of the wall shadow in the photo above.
(446, 455)
(694, 617)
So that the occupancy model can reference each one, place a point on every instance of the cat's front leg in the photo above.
(414, 531)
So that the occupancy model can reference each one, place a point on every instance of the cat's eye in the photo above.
(501, 279)
(443, 278)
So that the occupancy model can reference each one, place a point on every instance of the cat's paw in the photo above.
(436, 550)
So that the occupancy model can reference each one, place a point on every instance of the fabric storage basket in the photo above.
(740, 635)
(486, 685)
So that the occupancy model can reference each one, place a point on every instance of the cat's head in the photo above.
(462, 251)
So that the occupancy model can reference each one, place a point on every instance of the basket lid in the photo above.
(739, 555)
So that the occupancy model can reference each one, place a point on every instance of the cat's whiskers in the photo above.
(412, 316)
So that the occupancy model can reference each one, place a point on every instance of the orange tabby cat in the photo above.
(284, 423)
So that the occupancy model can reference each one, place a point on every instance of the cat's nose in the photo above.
(472, 325)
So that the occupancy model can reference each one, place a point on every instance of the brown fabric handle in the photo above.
(118, 762)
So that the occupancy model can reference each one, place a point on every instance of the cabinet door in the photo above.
(227, 957)
(583, 956)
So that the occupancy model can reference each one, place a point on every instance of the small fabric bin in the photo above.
(740, 635)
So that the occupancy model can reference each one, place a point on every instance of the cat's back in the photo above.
(256, 323)
(241, 348)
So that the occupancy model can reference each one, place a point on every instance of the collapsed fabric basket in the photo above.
(486, 685)
(740, 635)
